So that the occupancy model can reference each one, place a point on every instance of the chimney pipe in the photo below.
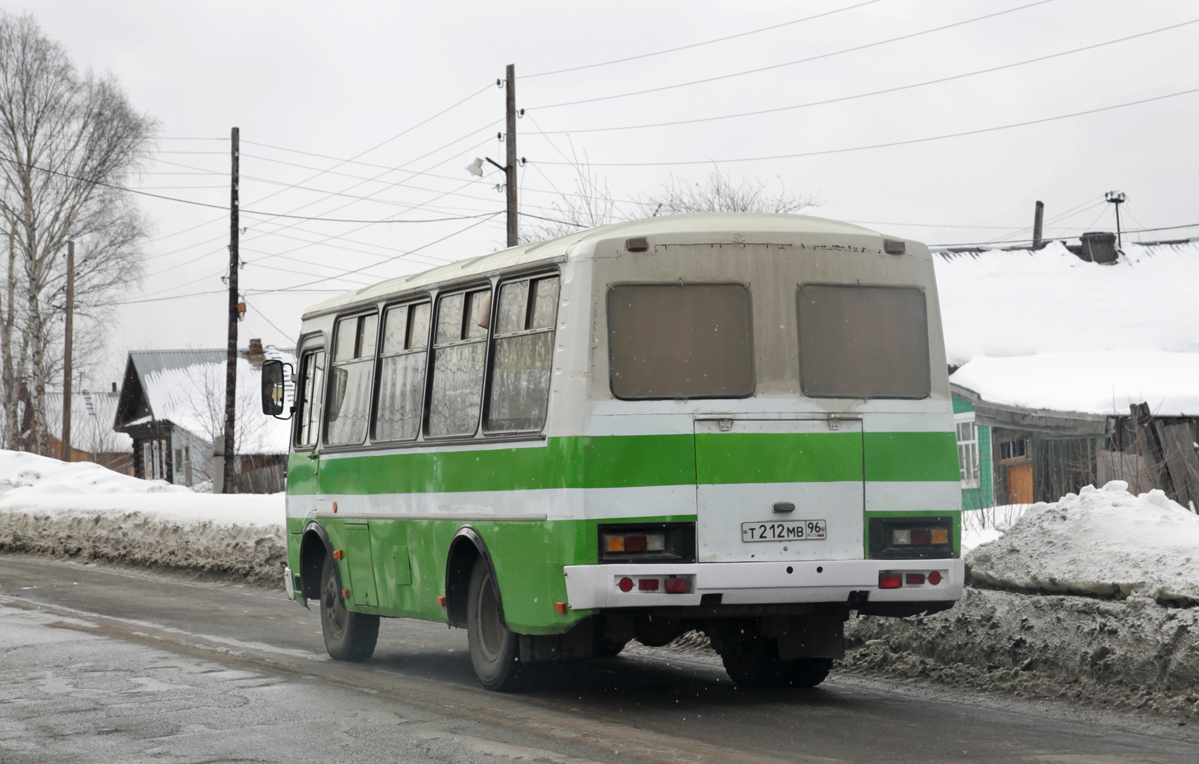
(1037, 220)
(255, 355)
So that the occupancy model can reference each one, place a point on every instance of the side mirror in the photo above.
(272, 388)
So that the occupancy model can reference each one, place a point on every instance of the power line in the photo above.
(222, 207)
(264, 318)
(298, 287)
(890, 144)
(699, 44)
(869, 94)
(793, 63)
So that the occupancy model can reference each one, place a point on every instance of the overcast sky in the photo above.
(344, 112)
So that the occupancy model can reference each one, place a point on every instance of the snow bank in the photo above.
(84, 511)
(1132, 654)
(1101, 542)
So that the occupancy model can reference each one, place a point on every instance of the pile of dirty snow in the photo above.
(84, 511)
(1101, 542)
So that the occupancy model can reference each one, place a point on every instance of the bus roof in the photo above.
(701, 223)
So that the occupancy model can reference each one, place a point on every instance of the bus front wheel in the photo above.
(348, 636)
(494, 650)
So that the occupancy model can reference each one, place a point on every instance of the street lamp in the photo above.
(1116, 198)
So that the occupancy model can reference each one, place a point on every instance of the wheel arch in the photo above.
(466, 547)
(315, 546)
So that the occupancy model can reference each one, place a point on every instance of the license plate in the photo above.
(784, 530)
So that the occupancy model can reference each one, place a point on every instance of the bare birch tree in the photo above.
(593, 205)
(720, 193)
(68, 142)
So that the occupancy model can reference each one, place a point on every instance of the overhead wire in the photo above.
(872, 93)
(891, 144)
(297, 287)
(770, 28)
(758, 70)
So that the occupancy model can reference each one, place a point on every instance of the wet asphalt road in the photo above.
(98, 664)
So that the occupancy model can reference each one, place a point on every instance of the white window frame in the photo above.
(968, 458)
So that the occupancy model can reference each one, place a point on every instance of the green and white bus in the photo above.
(734, 423)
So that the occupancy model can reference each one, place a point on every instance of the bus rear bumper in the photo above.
(591, 587)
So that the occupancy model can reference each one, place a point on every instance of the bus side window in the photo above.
(312, 380)
(459, 354)
(402, 372)
(522, 356)
(347, 407)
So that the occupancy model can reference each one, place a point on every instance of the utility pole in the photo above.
(510, 169)
(66, 366)
(1116, 198)
(234, 314)
(1038, 220)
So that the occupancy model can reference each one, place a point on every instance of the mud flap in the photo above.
(807, 637)
(575, 644)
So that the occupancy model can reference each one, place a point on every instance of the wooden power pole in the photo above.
(234, 314)
(66, 364)
(510, 169)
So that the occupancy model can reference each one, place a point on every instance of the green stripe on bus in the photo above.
(911, 456)
(639, 460)
(778, 457)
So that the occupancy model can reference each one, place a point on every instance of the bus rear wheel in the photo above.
(494, 650)
(754, 661)
(348, 636)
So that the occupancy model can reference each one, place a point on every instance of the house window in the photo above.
(522, 356)
(1013, 450)
(967, 433)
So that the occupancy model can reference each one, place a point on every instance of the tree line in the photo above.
(69, 142)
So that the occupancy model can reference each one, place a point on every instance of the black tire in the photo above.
(751, 661)
(607, 648)
(755, 662)
(494, 650)
(804, 672)
(348, 636)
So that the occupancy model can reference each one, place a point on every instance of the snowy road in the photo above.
(101, 665)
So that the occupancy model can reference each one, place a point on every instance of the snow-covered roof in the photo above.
(187, 388)
(1046, 330)
(92, 415)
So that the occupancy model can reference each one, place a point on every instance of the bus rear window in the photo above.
(863, 342)
(680, 341)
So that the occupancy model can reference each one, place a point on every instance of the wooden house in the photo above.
(172, 405)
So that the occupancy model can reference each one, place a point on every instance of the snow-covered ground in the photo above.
(82, 510)
(1127, 567)
(1101, 542)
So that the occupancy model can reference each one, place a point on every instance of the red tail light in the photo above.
(626, 584)
(890, 580)
(678, 585)
(914, 579)
(648, 584)
(934, 578)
